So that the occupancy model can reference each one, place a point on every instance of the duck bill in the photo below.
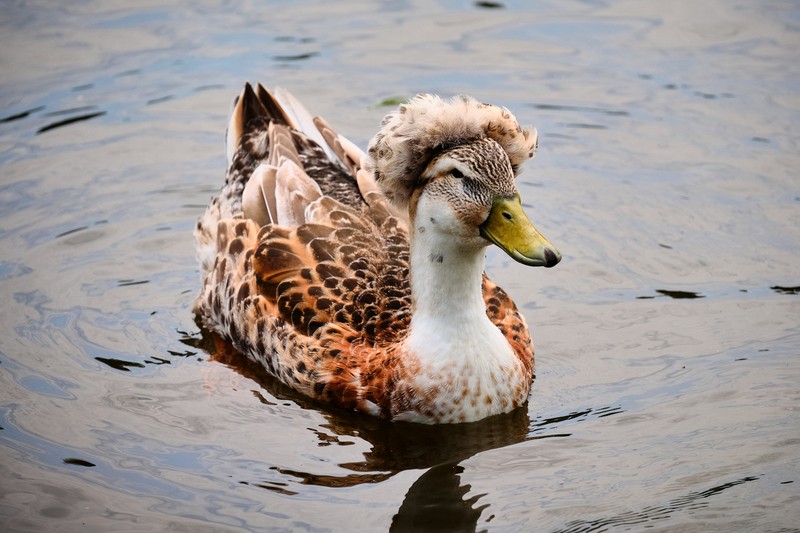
(509, 228)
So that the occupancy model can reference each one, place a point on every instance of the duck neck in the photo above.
(449, 322)
(445, 280)
(459, 361)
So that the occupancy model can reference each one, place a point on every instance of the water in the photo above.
(666, 395)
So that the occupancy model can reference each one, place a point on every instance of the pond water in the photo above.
(667, 393)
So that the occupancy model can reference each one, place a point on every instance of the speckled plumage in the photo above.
(326, 302)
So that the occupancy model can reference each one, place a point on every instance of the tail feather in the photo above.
(246, 107)
(280, 161)
(301, 120)
(275, 111)
(340, 148)
(249, 105)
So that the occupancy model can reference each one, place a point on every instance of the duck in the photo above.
(357, 278)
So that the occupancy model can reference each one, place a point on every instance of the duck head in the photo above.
(452, 166)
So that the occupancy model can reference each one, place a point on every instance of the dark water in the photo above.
(668, 340)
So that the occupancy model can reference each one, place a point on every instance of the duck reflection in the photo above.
(396, 446)
(437, 499)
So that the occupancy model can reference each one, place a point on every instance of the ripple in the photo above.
(69, 121)
(691, 501)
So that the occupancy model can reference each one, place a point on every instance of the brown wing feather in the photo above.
(351, 273)
(504, 314)
(317, 306)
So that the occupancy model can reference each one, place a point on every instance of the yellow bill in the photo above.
(509, 228)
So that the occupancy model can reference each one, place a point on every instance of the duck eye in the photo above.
(456, 173)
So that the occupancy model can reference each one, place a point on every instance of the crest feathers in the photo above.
(417, 131)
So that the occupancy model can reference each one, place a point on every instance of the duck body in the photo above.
(357, 279)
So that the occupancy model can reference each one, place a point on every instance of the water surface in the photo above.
(666, 395)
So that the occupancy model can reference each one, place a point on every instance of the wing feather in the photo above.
(294, 191)
(258, 197)
(300, 119)
(345, 151)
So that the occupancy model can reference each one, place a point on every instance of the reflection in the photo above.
(437, 499)
(785, 290)
(71, 231)
(67, 121)
(160, 99)
(679, 295)
(274, 486)
(437, 502)
(130, 282)
(296, 57)
(78, 462)
(396, 446)
(676, 295)
(21, 114)
(322, 480)
(119, 364)
(402, 446)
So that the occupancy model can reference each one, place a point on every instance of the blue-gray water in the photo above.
(667, 393)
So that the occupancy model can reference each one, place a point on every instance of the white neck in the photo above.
(445, 280)
(465, 367)
(449, 322)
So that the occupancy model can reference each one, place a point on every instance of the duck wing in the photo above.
(303, 256)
